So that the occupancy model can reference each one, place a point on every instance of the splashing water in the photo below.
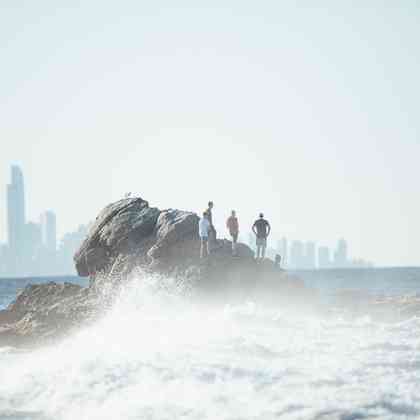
(160, 355)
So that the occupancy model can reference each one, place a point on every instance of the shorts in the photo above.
(261, 242)
(204, 239)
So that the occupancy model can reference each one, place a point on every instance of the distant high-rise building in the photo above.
(324, 257)
(310, 255)
(4, 256)
(49, 231)
(16, 210)
(282, 249)
(297, 259)
(340, 255)
(31, 249)
(66, 249)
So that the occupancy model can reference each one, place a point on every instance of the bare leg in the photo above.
(234, 239)
(263, 252)
(210, 242)
(204, 250)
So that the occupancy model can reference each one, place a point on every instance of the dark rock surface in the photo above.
(118, 229)
(128, 240)
(44, 312)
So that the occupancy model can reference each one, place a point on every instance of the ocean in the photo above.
(161, 355)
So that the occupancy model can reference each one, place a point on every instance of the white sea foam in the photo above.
(160, 355)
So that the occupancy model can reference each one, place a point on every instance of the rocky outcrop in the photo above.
(119, 229)
(173, 227)
(128, 240)
(129, 234)
(44, 312)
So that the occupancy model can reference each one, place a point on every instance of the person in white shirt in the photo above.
(203, 229)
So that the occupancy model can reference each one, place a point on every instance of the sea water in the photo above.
(159, 354)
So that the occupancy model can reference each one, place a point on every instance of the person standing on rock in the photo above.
(212, 231)
(204, 229)
(262, 229)
(233, 227)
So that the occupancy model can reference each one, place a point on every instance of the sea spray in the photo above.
(159, 353)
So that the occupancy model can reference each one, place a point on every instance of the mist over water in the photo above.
(160, 354)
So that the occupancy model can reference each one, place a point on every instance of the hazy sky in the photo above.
(308, 113)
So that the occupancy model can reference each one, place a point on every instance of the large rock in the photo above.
(172, 228)
(127, 240)
(45, 312)
(117, 230)
(129, 234)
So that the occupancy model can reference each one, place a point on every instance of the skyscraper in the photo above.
(340, 255)
(49, 231)
(282, 249)
(16, 210)
(31, 248)
(4, 258)
(324, 257)
(310, 255)
(296, 255)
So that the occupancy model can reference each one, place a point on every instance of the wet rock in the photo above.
(128, 240)
(43, 312)
(173, 228)
(117, 230)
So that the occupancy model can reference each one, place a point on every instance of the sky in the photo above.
(307, 111)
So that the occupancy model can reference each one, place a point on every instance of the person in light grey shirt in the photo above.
(203, 230)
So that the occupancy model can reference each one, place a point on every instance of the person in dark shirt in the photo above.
(212, 230)
(262, 229)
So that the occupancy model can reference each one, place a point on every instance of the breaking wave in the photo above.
(159, 354)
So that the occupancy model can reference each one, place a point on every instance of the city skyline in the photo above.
(308, 113)
(308, 255)
(297, 254)
(31, 247)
